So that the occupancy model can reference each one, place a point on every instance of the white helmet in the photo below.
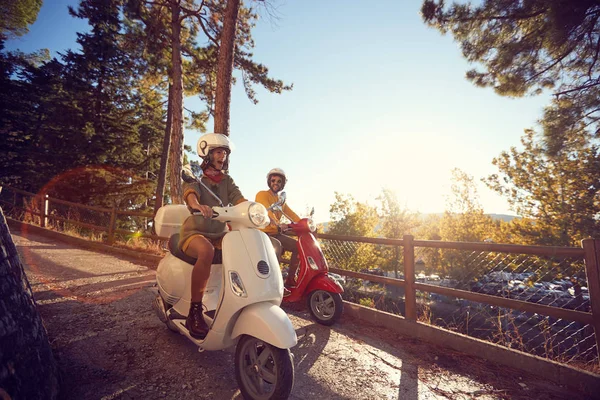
(210, 141)
(277, 171)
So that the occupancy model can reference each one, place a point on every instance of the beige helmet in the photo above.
(277, 171)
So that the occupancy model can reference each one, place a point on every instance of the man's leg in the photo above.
(203, 251)
(290, 244)
(277, 246)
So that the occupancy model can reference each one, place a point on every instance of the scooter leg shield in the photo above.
(266, 322)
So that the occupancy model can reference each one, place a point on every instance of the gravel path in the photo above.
(110, 345)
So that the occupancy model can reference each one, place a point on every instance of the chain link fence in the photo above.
(543, 280)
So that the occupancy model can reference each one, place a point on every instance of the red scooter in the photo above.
(313, 283)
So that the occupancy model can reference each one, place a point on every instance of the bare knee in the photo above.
(201, 249)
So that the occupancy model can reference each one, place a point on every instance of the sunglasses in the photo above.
(276, 181)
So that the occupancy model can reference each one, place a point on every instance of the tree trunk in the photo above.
(28, 369)
(162, 173)
(176, 151)
(225, 67)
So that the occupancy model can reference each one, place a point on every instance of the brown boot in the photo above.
(195, 322)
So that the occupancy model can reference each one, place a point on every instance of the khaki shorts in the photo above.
(217, 243)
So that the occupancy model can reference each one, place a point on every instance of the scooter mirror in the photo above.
(187, 174)
(196, 169)
(282, 197)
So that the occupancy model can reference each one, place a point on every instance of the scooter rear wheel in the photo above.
(263, 371)
(325, 307)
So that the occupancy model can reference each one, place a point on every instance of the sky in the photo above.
(380, 101)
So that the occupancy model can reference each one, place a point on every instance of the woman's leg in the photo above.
(201, 249)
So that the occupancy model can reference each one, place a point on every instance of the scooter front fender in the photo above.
(323, 282)
(267, 322)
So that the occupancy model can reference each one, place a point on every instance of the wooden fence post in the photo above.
(591, 247)
(45, 204)
(410, 298)
(112, 227)
(42, 197)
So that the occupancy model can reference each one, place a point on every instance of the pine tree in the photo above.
(556, 194)
(525, 47)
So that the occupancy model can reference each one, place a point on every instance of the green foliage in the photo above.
(351, 218)
(85, 111)
(463, 221)
(16, 16)
(525, 47)
(557, 195)
(367, 302)
(395, 222)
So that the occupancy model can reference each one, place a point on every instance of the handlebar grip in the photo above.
(214, 214)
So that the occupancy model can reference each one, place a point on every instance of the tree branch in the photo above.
(201, 19)
(578, 88)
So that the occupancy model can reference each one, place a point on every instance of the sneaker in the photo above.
(195, 322)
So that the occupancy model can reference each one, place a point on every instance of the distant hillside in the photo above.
(503, 217)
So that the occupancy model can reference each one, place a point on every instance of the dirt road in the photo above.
(110, 345)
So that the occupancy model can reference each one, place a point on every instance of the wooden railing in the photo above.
(589, 252)
(44, 214)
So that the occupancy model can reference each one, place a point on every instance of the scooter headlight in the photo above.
(237, 286)
(258, 215)
(312, 225)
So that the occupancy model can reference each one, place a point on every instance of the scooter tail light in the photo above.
(237, 286)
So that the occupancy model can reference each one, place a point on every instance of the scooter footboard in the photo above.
(266, 322)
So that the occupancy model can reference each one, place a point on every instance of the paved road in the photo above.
(110, 345)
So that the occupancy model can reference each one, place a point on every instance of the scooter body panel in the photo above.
(267, 322)
(313, 268)
(243, 251)
(174, 277)
(248, 253)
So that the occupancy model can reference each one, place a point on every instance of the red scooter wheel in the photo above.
(325, 307)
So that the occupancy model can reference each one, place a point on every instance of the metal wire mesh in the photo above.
(551, 281)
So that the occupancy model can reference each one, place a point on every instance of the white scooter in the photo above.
(242, 299)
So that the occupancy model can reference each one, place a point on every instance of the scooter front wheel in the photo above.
(325, 307)
(263, 371)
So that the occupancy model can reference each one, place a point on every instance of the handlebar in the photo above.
(214, 214)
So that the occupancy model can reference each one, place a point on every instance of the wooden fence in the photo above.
(44, 214)
(589, 252)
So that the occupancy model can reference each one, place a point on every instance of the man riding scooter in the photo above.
(276, 180)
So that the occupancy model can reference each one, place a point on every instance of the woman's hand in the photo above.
(192, 201)
(206, 211)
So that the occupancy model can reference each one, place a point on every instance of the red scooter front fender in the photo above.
(323, 282)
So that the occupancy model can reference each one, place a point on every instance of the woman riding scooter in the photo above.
(242, 297)
(200, 235)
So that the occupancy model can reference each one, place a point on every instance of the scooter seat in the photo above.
(177, 252)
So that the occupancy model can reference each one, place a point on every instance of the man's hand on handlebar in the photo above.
(283, 227)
